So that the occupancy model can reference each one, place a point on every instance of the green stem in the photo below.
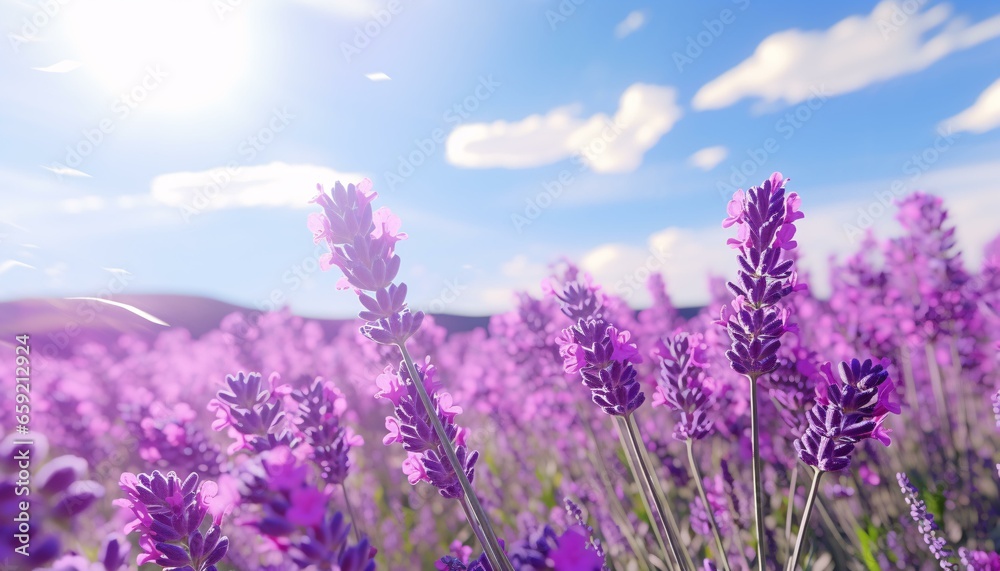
(758, 496)
(810, 500)
(696, 474)
(659, 494)
(498, 559)
(667, 551)
(791, 502)
(350, 511)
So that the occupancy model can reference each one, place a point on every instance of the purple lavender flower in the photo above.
(362, 245)
(253, 412)
(681, 385)
(320, 407)
(926, 525)
(169, 515)
(979, 560)
(59, 494)
(411, 427)
(766, 221)
(600, 352)
(542, 550)
(326, 547)
(845, 413)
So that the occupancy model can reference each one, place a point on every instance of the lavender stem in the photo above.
(492, 547)
(758, 496)
(658, 492)
(810, 500)
(791, 502)
(696, 474)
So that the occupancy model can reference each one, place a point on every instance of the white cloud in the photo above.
(64, 66)
(66, 171)
(82, 204)
(856, 52)
(984, 115)
(685, 256)
(709, 157)
(378, 76)
(688, 256)
(349, 9)
(606, 144)
(7, 265)
(272, 185)
(635, 20)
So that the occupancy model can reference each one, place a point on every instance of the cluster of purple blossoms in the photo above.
(294, 515)
(847, 412)
(169, 515)
(319, 411)
(926, 525)
(362, 244)
(603, 355)
(253, 414)
(411, 427)
(681, 385)
(293, 506)
(542, 550)
(59, 493)
(979, 560)
(765, 218)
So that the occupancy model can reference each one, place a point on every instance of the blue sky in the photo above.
(172, 146)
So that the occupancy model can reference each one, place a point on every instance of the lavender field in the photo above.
(855, 432)
(505, 285)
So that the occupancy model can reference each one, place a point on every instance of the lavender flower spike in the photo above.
(926, 525)
(765, 220)
(169, 514)
(846, 413)
(766, 225)
(362, 244)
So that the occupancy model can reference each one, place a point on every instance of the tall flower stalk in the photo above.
(362, 245)
(846, 412)
(603, 356)
(765, 219)
(681, 388)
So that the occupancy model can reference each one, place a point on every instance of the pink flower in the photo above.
(284, 469)
(308, 507)
(413, 467)
(394, 435)
(735, 209)
(446, 404)
(387, 224)
(571, 352)
(623, 349)
(389, 386)
(572, 553)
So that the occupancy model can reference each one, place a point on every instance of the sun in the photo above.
(184, 54)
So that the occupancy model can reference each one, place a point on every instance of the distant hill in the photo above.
(58, 321)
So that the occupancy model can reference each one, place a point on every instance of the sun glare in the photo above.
(176, 54)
